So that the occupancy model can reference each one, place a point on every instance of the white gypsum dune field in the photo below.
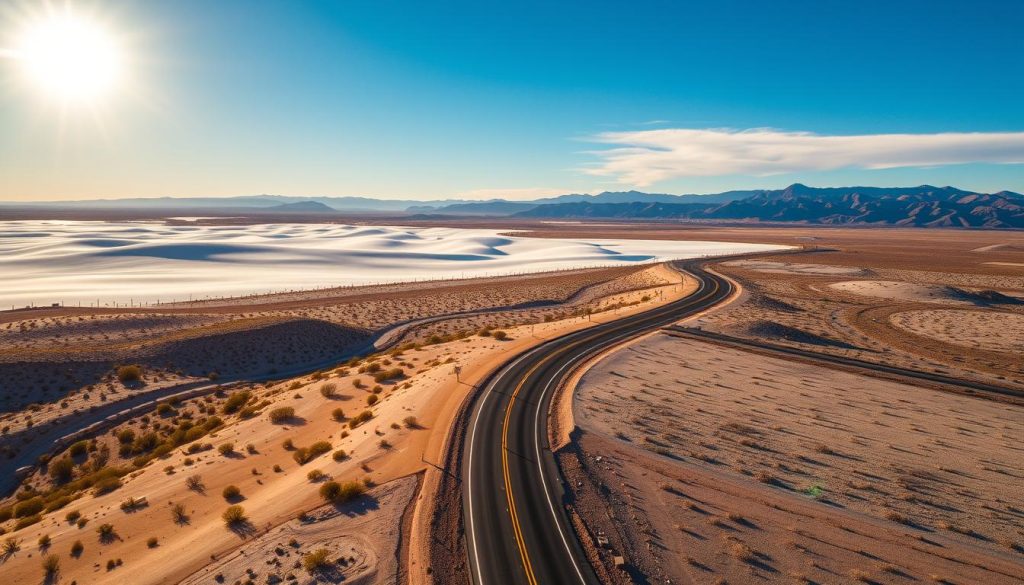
(83, 262)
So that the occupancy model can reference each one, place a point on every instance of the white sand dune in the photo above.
(43, 262)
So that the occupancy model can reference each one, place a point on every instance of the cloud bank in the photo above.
(645, 157)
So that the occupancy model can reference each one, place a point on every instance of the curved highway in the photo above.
(517, 528)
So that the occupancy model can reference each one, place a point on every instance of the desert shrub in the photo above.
(44, 541)
(357, 383)
(51, 566)
(500, 335)
(360, 419)
(226, 448)
(338, 414)
(329, 390)
(27, 521)
(61, 470)
(106, 531)
(372, 399)
(76, 548)
(29, 507)
(391, 374)
(106, 485)
(340, 455)
(301, 456)
(283, 414)
(315, 475)
(384, 444)
(288, 444)
(338, 493)
(411, 422)
(231, 492)
(234, 515)
(73, 516)
(317, 561)
(126, 436)
(164, 409)
(78, 449)
(194, 483)
(319, 448)
(330, 491)
(179, 514)
(11, 546)
(235, 401)
(129, 374)
(151, 542)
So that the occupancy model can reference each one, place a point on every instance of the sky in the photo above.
(480, 99)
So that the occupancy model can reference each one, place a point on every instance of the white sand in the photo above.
(45, 262)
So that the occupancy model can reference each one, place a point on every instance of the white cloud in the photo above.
(512, 194)
(649, 156)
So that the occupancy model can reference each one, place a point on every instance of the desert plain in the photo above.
(306, 436)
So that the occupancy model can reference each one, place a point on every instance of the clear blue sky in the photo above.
(435, 99)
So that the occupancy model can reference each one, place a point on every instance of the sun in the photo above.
(70, 58)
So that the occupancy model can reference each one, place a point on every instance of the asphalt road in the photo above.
(517, 528)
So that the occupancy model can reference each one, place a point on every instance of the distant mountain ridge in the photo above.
(924, 206)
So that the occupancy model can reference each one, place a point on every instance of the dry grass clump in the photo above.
(339, 493)
(234, 516)
(126, 374)
(179, 514)
(231, 493)
(194, 483)
(317, 561)
(329, 390)
(304, 455)
(282, 414)
(360, 419)
(51, 566)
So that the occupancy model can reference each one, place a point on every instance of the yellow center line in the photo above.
(516, 528)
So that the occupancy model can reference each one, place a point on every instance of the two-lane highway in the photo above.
(517, 528)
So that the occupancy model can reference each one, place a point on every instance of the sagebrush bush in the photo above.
(282, 414)
(129, 374)
(339, 493)
(317, 561)
(360, 419)
(234, 515)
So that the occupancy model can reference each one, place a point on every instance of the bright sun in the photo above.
(70, 58)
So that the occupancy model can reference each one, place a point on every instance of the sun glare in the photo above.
(70, 58)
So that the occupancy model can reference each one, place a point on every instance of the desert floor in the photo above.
(408, 416)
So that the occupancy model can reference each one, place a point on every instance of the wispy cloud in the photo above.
(645, 157)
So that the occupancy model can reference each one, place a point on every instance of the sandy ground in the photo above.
(385, 448)
(771, 267)
(365, 533)
(727, 465)
(989, 330)
(902, 291)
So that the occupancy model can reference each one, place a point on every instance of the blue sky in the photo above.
(445, 99)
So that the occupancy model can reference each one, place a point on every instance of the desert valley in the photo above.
(313, 435)
(531, 293)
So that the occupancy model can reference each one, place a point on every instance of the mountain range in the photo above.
(923, 206)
